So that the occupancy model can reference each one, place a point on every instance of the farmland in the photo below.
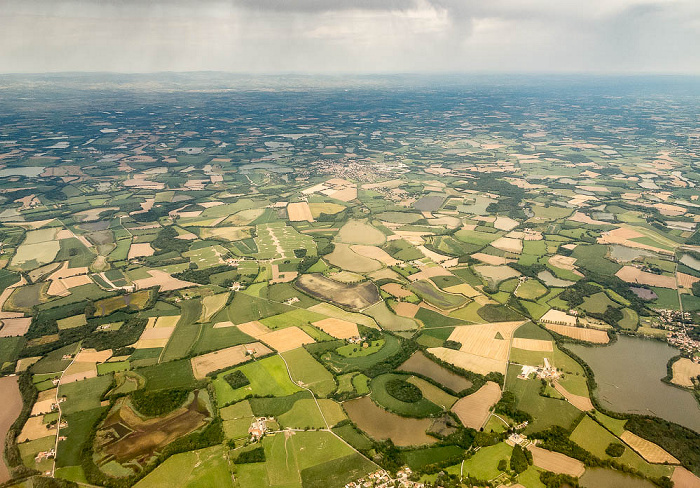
(410, 264)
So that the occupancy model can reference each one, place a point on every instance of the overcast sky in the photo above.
(356, 36)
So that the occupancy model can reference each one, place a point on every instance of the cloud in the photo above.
(329, 36)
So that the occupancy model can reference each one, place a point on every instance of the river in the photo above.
(629, 374)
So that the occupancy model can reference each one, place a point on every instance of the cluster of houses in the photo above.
(546, 372)
(258, 428)
(382, 479)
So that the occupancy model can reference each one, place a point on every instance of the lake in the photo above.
(11, 407)
(629, 374)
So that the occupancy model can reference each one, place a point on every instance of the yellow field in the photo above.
(228, 233)
(253, 329)
(470, 362)
(508, 244)
(299, 211)
(225, 358)
(630, 274)
(581, 402)
(648, 450)
(338, 328)
(463, 289)
(556, 462)
(579, 333)
(286, 339)
(532, 344)
(683, 370)
(405, 309)
(682, 478)
(396, 290)
(488, 340)
(138, 250)
(35, 429)
(474, 410)
(167, 321)
(327, 208)
(162, 279)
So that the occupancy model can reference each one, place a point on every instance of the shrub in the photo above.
(256, 455)
(157, 403)
(615, 449)
(403, 391)
(237, 379)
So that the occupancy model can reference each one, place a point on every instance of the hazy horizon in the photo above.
(368, 37)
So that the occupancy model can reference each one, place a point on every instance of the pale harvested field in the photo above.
(223, 325)
(630, 274)
(345, 258)
(225, 358)
(228, 233)
(474, 410)
(93, 355)
(211, 305)
(463, 289)
(581, 402)
(35, 429)
(282, 277)
(14, 326)
(284, 340)
(532, 344)
(470, 362)
(683, 370)
(405, 309)
(24, 363)
(44, 401)
(383, 184)
(490, 259)
(154, 337)
(508, 244)
(481, 339)
(432, 255)
(564, 262)
(686, 280)
(299, 211)
(74, 281)
(505, 223)
(253, 329)
(496, 274)
(648, 450)
(396, 290)
(338, 328)
(333, 311)
(79, 371)
(167, 321)
(579, 333)
(623, 235)
(385, 273)
(682, 478)
(345, 195)
(65, 272)
(138, 250)
(375, 253)
(556, 462)
(162, 279)
(346, 277)
(585, 219)
(357, 232)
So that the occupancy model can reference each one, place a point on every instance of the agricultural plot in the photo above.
(381, 425)
(420, 364)
(353, 296)
(308, 372)
(267, 377)
(225, 358)
(277, 240)
(474, 410)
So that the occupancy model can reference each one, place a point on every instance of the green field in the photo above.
(309, 372)
(267, 377)
(421, 408)
(206, 467)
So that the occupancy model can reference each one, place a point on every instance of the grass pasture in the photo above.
(267, 377)
(308, 372)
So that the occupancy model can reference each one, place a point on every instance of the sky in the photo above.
(351, 36)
